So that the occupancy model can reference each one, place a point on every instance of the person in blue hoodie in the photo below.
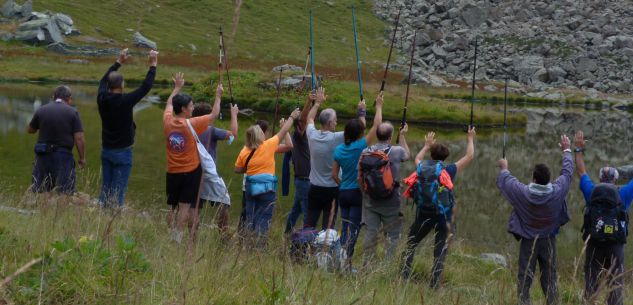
(602, 258)
(539, 210)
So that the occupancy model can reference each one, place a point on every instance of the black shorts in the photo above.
(183, 187)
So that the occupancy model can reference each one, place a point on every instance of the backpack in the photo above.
(605, 219)
(428, 193)
(301, 244)
(376, 173)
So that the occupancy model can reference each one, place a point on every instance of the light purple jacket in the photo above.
(538, 210)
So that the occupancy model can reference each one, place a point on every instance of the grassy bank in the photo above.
(100, 257)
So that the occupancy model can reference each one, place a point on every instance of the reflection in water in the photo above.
(482, 214)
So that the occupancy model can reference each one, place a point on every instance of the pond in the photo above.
(482, 214)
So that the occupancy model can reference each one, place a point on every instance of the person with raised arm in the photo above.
(346, 158)
(118, 128)
(539, 209)
(184, 171)
(257, 161)
(605, 227)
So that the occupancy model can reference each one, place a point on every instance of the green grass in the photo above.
(268, 31)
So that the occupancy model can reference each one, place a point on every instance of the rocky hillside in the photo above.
(543, 44)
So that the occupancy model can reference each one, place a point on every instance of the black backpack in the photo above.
(606, 220)
(429, 195)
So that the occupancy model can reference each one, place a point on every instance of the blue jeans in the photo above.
(54, 171)
(259, 212)
(350, 202)
(300, 205)
(116, 165)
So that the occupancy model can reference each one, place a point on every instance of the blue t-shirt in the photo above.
(626, 192)
(347, 157)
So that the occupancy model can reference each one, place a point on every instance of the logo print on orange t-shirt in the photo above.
(176, 142)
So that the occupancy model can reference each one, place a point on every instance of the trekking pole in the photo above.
(305, 71)
(472, 97)
(228, 75)
(281, 69)
(505, 122)
(221, 58)
(393, 39)
(406, 97)
(360, 78)
(313, 81)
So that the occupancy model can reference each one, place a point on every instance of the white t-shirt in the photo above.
(322, 145)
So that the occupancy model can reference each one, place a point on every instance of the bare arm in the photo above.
(80, 143)
(234, 126)
(239, 170)
(179, 82)
(30, 129)
(470, 151)
(370, 138)
(283, 131)
(335, 171)
(579, 141)
(429, 140)
(403, 141)
(320, 98)
(301, 125)
(215, 111)
(287, 145)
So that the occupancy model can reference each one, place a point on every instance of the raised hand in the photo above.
(579, 139)
(429, 139)
(234, 109)
(123, 56)
(320, 95)
(380, 99)
(564, 142)
(471, 133)
(362, 105)
(295, 114)
(153, 58)
(219, 91)
(404, 129)
(503, 163)
(179, 80)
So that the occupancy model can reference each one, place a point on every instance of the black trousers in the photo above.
(423, 224)
(320, 202)
(605, 261)
(543, 251)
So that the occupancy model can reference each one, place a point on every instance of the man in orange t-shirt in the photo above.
(183, 163)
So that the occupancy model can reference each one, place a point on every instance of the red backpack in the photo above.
(377, 177)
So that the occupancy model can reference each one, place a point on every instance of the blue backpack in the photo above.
(429, 195)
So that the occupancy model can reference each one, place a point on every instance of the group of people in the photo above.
(357, 170)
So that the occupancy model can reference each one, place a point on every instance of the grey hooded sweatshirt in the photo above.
(538, 210)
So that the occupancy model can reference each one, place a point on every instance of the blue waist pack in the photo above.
(261, 184)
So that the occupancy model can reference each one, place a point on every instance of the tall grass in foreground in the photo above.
(93, 256)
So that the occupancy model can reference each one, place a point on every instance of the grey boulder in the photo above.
(142, 42)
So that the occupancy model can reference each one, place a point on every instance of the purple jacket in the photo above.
(538, 210)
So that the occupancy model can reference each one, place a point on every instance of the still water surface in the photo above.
(482, 214)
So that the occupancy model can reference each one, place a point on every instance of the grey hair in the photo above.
(609, 174)
(63, 93)
(327, 116)
(384, 131)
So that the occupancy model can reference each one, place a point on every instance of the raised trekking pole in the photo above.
(360, 77)
(313, 81)
(281, 69)
(472, 96)
(406, 97)
(221, 59)
(505, 112)
(305, 71)
(226, 67)
(393, 39)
